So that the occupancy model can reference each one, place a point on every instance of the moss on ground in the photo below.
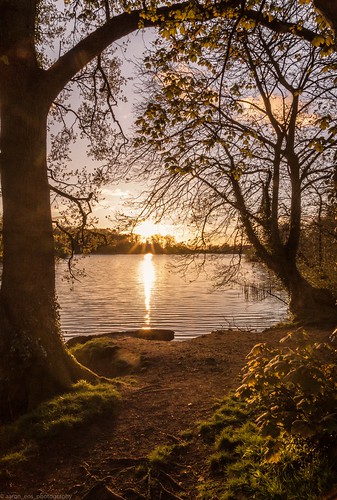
(104, 358)
(83, 404)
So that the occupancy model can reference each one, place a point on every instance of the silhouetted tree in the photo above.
(244, 138)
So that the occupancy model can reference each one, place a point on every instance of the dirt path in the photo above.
(178, 384)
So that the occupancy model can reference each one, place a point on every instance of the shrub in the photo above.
(293, 388)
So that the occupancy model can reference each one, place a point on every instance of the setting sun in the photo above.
(147, 229)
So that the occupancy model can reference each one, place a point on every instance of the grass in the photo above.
(166, 454)
(93, 346)
(55, 417)
(161, 455)
(105, 358)
(226, 414)
(242, 467)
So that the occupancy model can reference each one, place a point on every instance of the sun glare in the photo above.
(147, 229)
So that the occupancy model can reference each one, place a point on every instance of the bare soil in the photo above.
(175, 388)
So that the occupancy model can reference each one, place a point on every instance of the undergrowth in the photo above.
(275, 439)
(241, 465)
(55, 417)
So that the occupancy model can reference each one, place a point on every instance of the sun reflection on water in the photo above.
(148, 275)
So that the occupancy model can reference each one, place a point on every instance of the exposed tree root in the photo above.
(155, 482)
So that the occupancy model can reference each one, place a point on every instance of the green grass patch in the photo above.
(161, 455)
(227, 413)
(165, 454)
(105, 358)
(247, 465)
(93, 346)
(56, 417)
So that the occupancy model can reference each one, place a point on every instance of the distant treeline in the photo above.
(111, 242)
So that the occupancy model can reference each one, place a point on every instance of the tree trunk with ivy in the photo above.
(307, 303)
(34, 361)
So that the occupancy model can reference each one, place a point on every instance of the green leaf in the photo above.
(270, 429)
(303, 429)
(303, 377)
(318, 41)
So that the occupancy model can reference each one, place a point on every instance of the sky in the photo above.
(113, 196)
(116, 195)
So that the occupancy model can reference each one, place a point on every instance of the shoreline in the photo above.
(176, 385)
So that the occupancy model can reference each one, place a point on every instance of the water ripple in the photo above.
(121, 292)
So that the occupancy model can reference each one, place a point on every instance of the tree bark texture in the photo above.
(34, 361)
(307, 304)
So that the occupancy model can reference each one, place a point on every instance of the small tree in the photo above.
(245, 137)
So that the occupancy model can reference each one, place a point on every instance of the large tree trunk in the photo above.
(311, 305)
(307, 304)
(34, 361)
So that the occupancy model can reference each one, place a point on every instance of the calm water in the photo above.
(121, 292)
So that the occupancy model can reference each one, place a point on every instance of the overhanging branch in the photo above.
(66, 67)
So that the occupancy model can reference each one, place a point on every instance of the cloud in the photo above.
(115, 193)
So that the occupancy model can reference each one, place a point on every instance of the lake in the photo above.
(122, 292)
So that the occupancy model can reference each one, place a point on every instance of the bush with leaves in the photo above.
(294, 389)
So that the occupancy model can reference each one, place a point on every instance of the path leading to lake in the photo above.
(177, 386)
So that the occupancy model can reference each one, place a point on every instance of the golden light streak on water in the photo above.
(148, 275)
